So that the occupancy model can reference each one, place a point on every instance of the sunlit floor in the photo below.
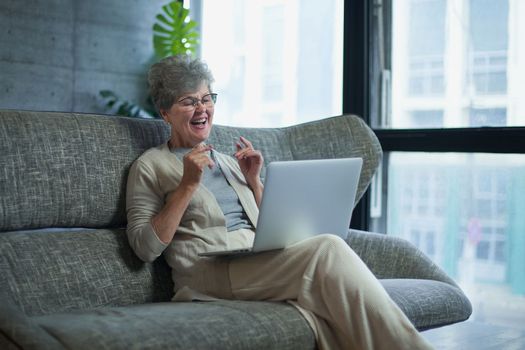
(477, 336)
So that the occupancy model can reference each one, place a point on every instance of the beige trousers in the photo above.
(342, 300)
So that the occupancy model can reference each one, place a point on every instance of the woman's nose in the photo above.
(199, 106)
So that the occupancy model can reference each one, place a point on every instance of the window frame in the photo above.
(356, 94)
(357, 98)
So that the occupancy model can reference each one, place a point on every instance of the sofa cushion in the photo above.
(50, 272)
(17, 331)
(67, 169)
(195, 325)
(428, 303)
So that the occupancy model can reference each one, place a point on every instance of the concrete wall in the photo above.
(58, 54)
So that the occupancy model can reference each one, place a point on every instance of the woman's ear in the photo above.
(164, 115)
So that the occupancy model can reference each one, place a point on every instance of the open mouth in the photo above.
(201, 121)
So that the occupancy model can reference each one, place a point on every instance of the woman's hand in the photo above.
(194, 163)
(251, 162)
(166, 222)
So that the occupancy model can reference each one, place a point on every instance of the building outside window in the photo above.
(455, 64)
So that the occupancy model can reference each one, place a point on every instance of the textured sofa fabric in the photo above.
(202, 325)
(424, 292)
(69, 170)
(68, 278)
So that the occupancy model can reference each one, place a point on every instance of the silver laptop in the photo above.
(302, 199)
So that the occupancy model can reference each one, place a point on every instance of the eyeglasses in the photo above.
(191, 102)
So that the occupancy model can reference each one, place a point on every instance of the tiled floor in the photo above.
(477, 336)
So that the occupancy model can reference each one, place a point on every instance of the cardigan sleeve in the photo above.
(143, 201)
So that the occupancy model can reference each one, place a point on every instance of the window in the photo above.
(276, 62)
(450, 117)
(487, 116)
(458, 57)
(426, 118)
(426, 47)
(487, 46)
(463, 210)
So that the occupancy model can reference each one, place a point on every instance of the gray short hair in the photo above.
(174, 76)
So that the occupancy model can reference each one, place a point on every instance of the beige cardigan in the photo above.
(152, 178)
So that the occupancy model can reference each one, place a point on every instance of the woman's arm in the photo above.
(151, 222)
(143, 201)
(167, 221)
(251, 162)
(258, 193)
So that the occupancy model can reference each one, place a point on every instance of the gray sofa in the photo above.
(68, 278)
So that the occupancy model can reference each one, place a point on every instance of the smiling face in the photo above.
(190, 125)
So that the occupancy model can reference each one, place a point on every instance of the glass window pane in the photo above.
(457, 64)
(500, 251)
(482, 250)
(276, 63)
(472, 224)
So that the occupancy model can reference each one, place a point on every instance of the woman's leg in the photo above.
(326, 278)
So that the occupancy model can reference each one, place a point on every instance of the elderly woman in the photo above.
(183, 198)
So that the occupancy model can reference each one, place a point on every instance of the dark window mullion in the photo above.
(485, 139)
(356, 94)
(355, 59)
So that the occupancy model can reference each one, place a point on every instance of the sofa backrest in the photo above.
(336, 137)
(70, 170)
(60, 171)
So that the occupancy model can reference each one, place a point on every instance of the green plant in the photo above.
(119, 106)
(174, 33)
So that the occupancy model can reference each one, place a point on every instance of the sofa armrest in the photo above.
(394, 257)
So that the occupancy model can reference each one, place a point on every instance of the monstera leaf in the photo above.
(174, 33)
